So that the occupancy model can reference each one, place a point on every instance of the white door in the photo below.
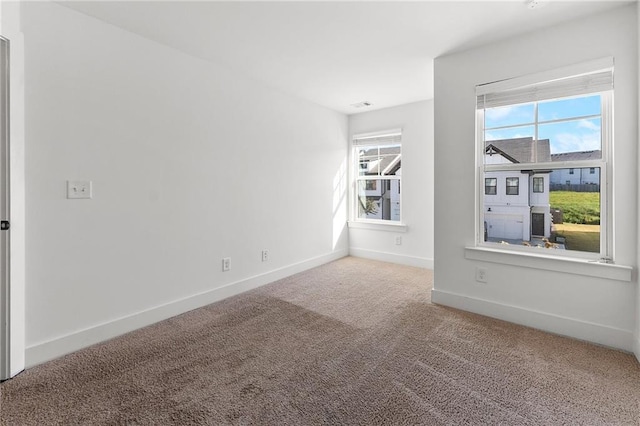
(4, 209)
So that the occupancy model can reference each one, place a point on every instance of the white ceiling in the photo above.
(335, 53)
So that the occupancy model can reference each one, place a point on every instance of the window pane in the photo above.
(509, 115)
(390, 161)
(575, 208)
(379, 199)
(379, 160)
(368, 160)
(567, 217)
(509, 133)
(573, 137)
(567, 108)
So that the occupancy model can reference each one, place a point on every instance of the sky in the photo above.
(579, 128)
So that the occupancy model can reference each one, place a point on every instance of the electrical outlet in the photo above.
(226, 264)
(398, 240)
(481, 274)
(79, 189)
(265, 255)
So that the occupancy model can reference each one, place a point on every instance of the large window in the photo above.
(378, 162)
(549, 142)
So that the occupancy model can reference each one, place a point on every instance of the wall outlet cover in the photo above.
(77, 189)
(226, 264)
(481, 274)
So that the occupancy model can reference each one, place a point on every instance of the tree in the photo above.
(369, 206)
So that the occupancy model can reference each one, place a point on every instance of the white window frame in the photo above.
(516, 186)
(380, 138)
(533, 184)
(606, 254)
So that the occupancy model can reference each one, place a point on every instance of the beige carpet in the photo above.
(351, 342)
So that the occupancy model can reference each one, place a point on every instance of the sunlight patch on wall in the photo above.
(339, 200)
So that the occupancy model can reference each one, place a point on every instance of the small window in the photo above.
(377, 160)
(570, 171)
(490, 186)
(538, 184)
(592, 170)
(513, 185)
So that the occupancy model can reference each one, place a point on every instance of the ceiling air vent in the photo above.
(362, 104)
(534, 4)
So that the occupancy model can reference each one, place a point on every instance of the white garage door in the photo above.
(507, 226)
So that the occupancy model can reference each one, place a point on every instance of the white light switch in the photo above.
(79, 189)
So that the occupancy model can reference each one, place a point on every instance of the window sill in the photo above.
(550, 263)
(378, 226)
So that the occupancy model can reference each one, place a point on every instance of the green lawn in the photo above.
(578, 207)
(579, 237)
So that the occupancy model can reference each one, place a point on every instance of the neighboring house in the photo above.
(383, 194)
(516, 203)
(567, 179)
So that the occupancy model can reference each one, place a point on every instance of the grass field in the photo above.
(579, 237)
(577, 207)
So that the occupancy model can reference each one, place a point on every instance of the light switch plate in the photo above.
(79, 189)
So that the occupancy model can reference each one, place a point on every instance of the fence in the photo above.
(588, 187)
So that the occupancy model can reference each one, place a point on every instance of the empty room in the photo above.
(319, 212)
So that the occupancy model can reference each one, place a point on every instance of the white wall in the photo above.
(587, 307)
(190, 163)
(416, 121)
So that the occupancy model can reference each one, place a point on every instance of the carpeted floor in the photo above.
(353, 342)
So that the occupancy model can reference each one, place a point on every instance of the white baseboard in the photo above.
(58, 347)
(582, 330)
(401, 259)
(636, 349)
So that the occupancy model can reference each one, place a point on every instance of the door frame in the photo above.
(5, 212)
(12, 308)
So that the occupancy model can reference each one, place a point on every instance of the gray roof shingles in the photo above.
(522, 149)
(577, 156)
